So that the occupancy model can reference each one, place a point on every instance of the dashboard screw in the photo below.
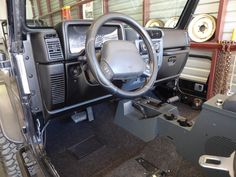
(27, 57)
(24, 129)
(32, 93)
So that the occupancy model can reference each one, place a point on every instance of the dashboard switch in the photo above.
(106, 70)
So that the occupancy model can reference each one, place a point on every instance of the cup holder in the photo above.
(170, 116)
(185, 123)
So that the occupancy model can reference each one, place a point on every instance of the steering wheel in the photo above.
(120, 59)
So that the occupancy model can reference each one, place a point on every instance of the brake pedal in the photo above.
(84, 115)
(79, 116)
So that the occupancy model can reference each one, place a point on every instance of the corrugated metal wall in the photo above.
(197, 69)
(57, 16)
(97, 8)
(230, 24)
(208, 7)
(133, 8)
(35, 7)
(43, 5)
(165, 9)
(230, 20)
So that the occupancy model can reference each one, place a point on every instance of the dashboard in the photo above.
(65, 79)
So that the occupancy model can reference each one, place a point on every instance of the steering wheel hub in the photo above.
(121, 60)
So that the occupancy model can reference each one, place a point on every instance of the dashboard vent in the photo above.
(57, 88)
(54, 49)
(154, 34)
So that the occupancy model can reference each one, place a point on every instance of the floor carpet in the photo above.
(162, 154)
(114, 145)
(101, 148)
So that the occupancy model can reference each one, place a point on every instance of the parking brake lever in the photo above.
(140, 109)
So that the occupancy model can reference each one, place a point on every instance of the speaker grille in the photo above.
(54, 49)
(57, 88)
(219, 146)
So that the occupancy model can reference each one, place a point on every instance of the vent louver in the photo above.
(54, 49)
(57, 88)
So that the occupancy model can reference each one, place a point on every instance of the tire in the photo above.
(8, 151)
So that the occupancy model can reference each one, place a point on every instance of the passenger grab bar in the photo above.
(175, 52)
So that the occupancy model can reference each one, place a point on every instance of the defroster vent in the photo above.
(57, 88)
(54, 49)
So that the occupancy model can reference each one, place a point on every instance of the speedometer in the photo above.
(77, 37)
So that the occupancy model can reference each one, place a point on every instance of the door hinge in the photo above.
(5, 64)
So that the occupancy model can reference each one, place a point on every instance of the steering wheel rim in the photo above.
(94, 64)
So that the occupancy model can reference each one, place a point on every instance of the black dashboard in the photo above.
(65, 80)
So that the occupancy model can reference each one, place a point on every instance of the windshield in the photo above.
(151, 13)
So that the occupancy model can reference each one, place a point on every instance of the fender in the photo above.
(8, 116)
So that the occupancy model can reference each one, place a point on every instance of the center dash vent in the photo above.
(54, 49)
(57, 88)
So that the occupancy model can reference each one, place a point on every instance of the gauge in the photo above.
(77, 37)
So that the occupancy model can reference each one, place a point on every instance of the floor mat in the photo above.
(86, 147)
(112, 145)
(161, 153)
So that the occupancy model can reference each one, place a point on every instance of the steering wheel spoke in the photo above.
(148, 70)
(106, 69)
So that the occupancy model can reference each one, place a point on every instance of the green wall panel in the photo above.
(44, 7)
(55, 4)
(133, 8)
(166, 9)
(56, 18)
(97, 8)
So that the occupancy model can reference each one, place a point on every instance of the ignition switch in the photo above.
(75, 72)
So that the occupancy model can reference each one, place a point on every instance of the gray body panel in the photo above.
(212, 133)
(8, 117)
